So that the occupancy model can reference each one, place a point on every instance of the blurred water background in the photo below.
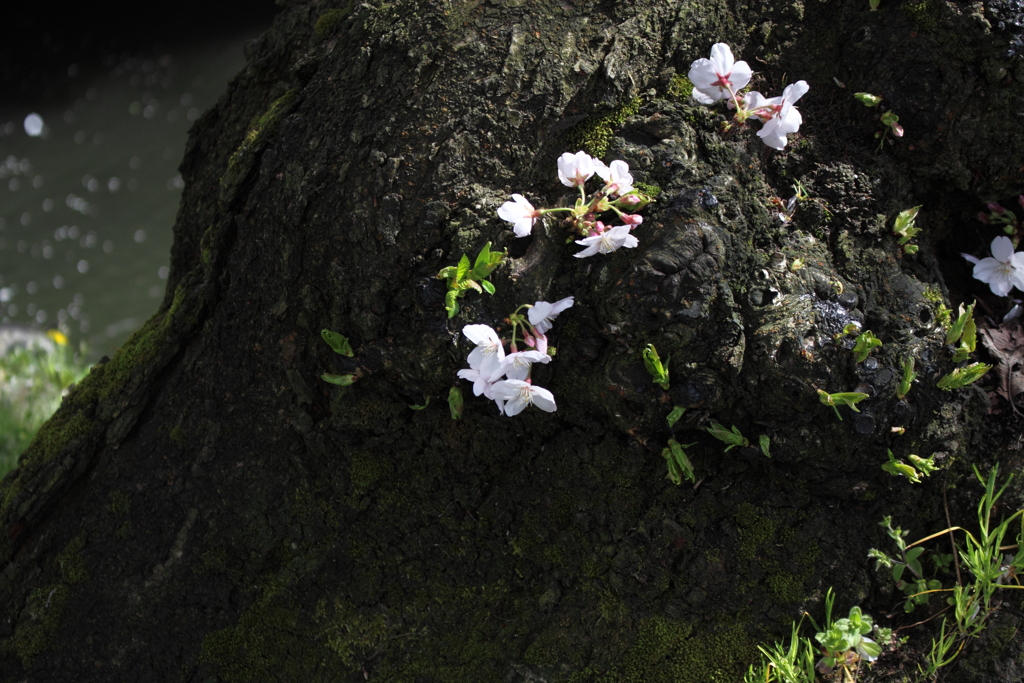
(95, 104)
(94, 113)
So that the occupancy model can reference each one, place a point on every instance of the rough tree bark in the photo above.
(203, 507)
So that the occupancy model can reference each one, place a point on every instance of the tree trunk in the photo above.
(204, 507)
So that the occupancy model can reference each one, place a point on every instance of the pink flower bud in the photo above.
(542, 343)
(995, 207)
(528, 339)
(632, 219)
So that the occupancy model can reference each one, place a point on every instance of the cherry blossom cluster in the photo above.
(617, 196)
(1003, 270)
(723, 78)
(505, 378)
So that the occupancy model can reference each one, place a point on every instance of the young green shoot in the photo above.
(338, 342)
(915, 587)
(891, 123)
(867, 99)
(679, 466)
(673, 417)
(961, 377)
(341, 346)
(764, 441)
(455, 402)
(340, 380)
(849, 398)
(862, 346)
(658, 372)
(462, 278)
(794, 664)
(905, 229)
(907, 379)
(732, 437)
(921, 467)
(963, 330)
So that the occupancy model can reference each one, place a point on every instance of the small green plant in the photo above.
(679, 466)
(340, 380)
(764, 441)
(461, 278)
(455, 402)
(422, 406)
(905, 229)
(921, 467)
(340, 345)
(862, 346)
(843, 645)
(963, 330)
(793, 664)
(915, 587)
(892, 125)
(732, 437)
(873, 6)
(338, 342)
(844, 642)
(907, 379)
(866, 98)
(848, 398)
(673, 417)
(981, 554)
(961, 377)
(658, 372)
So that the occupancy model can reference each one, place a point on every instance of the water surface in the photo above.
(89, 187)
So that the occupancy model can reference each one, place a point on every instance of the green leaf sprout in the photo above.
(674, 416)
(461, 278)
(921, 467)
(729, 436)
(652, 362)
(908, 378)
(679, 466)
(904, 227)
(864, 343)
(338, 342)
(850, 398)
(961, 377)
(455, 402)
(340, 380)
(866, 98)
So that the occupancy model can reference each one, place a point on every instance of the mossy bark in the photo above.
(203, 507)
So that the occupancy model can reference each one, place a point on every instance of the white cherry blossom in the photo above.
(576, 169)
(489, 352)
(517, 365)
(785, 118)
(518, 394)
(712, 78)
(616, 176)
(520, 213)
(607, 242)
(543, 313)
(482, 387)
(1002, 271)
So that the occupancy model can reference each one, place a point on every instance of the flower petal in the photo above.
(1002, 249)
